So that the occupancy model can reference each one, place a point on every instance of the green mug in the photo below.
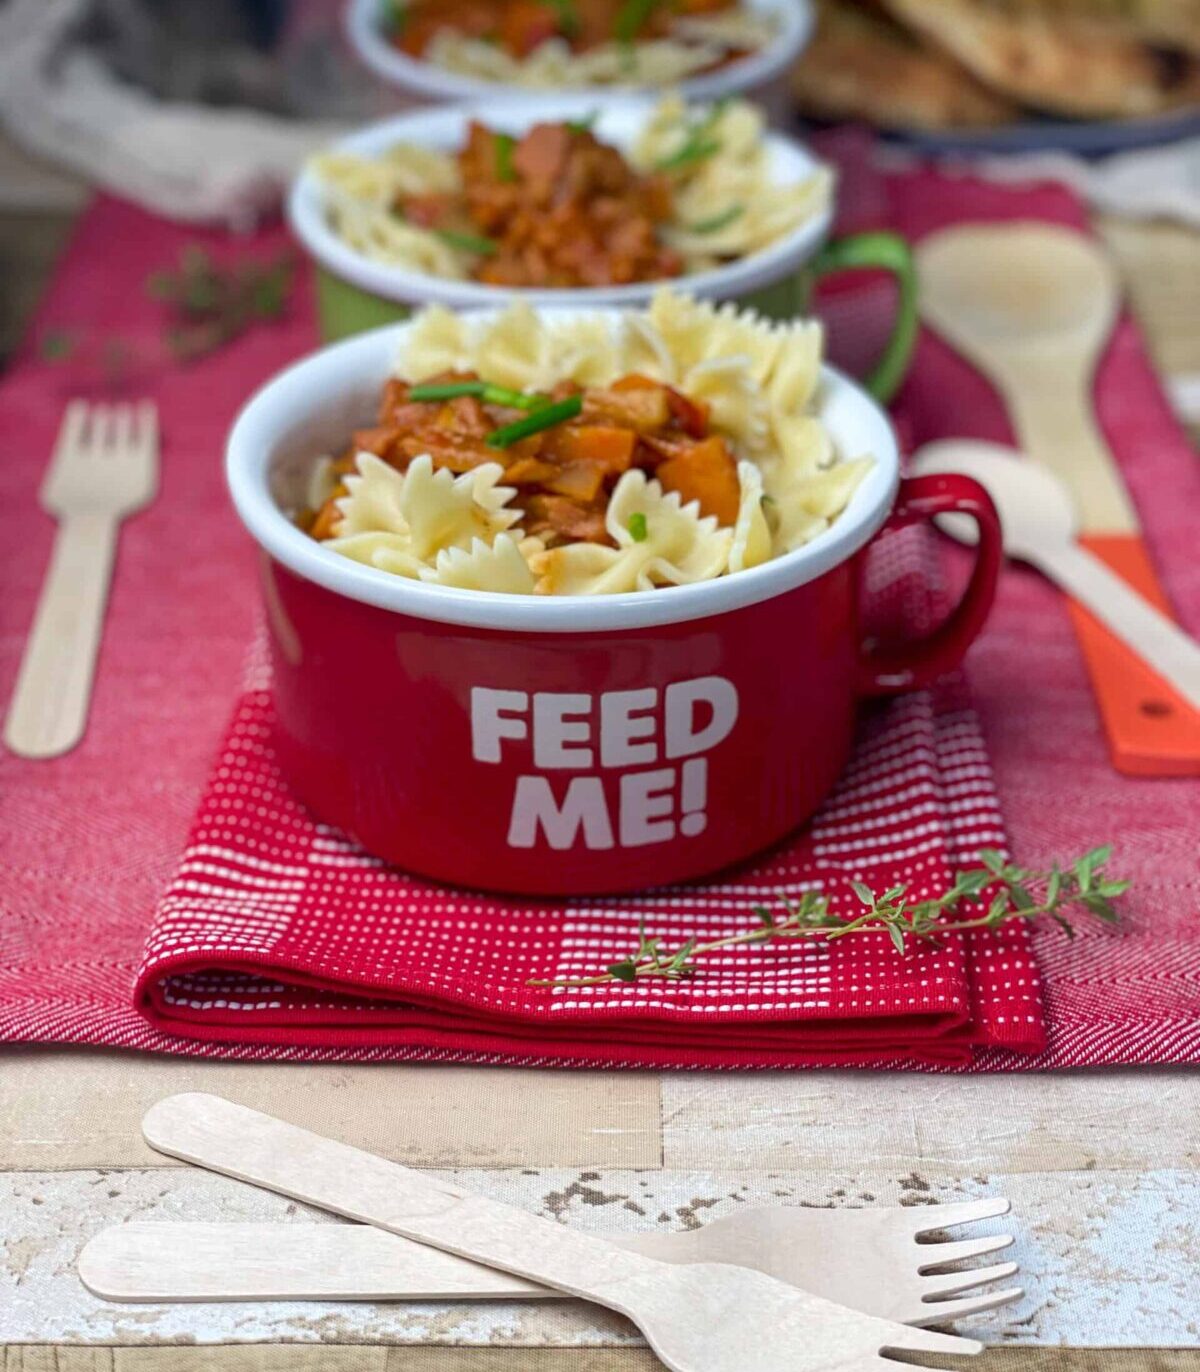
(344, 309)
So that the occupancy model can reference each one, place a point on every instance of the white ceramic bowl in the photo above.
(751, 75)
(311, 408)
(445, 130)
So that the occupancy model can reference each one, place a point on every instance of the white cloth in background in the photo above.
(187, 162)
(1149, 183)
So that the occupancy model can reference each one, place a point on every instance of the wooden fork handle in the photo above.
(295, 1162)
(1152, 729)
(49, 707)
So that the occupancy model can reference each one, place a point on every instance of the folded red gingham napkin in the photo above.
(277, 929)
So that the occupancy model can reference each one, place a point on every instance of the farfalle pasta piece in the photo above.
(805, 506)
(377, 234)
(659, 541)
(513, 349)
(499, 567)
(421, 511)
(643, 350)
(585, 350)
(553, 65)
(388, 552)
(403, 169)
(448, 511)
(736, 405)
(375, 500)
(437, 341)
(697, 331)
(751, 534)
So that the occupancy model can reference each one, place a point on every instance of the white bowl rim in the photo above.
(306, 212)
(750, 73)
(249, 454)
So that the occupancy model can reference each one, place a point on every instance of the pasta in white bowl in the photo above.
(589, 454)
(447, 206)
(746, 48)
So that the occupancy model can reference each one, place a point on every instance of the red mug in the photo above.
(574, 745)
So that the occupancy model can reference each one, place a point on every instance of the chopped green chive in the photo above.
(544, 417)
(467, 242)
(584, 125)
(637, 527)
(694, 150)
(513, 400)
(446, 390)
(504, 144)
(699, 142)
(394, 15)
(718, 221)
(492, 395)
(630, 19)
(568, 17)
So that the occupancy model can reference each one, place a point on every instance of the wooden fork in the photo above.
(872, 1260)
(698, 1317)
(105, 466)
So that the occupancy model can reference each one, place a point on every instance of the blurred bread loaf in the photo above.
(938, 64)
(861, 65)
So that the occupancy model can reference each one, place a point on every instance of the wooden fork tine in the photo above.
(101, 430)
(70, 432)
(912, 1340)
(147, 427)
(947, 1283)
(121, 429)
(938, 1254)
(929, 1217)
(946, 1312)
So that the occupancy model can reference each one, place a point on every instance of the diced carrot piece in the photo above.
(635, 381)
(607, 447)
(529, 471)
(644, 409)
(705, 472)
(580, 481)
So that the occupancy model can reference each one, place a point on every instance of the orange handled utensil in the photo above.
(1032, 306)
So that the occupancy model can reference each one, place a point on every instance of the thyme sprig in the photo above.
(983, 897)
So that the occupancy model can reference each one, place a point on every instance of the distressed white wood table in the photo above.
(1103, 1169)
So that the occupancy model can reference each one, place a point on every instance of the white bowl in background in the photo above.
(444, 130)
(753, 75)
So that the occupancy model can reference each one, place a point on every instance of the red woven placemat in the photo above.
(89, 841)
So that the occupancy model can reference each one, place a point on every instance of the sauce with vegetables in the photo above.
(554, 208)
(563, 452)
(520, 27)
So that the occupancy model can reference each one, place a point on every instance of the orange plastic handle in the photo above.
(1151, 729)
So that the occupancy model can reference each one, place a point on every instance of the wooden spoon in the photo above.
(1039, 525)
(1032, 305)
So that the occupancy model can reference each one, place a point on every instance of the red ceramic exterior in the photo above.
(375, 729)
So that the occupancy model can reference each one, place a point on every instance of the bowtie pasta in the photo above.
(572, 43)
(591, 455)
(558, 208)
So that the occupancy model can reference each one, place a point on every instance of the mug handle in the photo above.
(889, 252)
(889, 671)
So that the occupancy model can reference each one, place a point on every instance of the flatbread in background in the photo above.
(1064, 66)
(860, 65)
(1165, 23)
